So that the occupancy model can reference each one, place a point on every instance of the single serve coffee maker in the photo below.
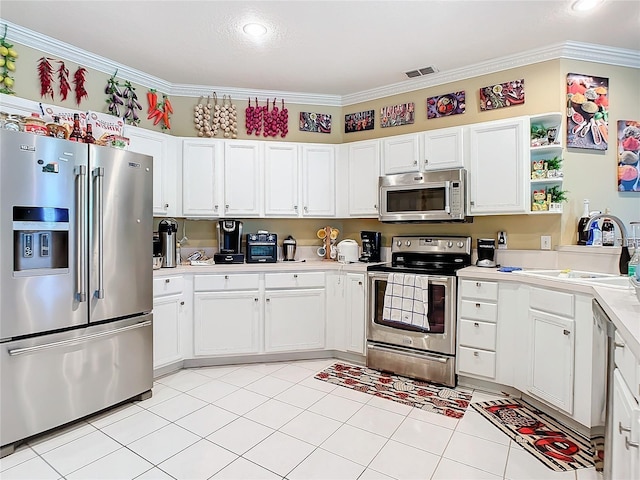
(371, 244)
(229, 242)
(486, 252)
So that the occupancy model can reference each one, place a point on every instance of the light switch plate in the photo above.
(545, 242)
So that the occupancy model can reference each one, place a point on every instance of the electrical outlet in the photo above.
(545, 242)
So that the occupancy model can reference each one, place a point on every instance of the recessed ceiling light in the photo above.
(584, 5)
(254, 29)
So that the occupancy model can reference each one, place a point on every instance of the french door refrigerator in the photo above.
(75, 281)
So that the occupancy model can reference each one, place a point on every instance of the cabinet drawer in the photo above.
(551, 301)
(477, 334)
(628, 365)
(294, 280)
(479, 289)
(477, 310)
(238, 281)
(167, 286)
(477, 362)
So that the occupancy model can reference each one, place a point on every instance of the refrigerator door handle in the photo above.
(98, 174)
(81, 233)
(73, 341)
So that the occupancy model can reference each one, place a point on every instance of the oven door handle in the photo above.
(421, 356)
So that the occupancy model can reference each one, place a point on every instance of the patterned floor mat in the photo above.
(552, 443)
(423, 395)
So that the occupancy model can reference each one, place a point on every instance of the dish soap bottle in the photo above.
(608, 232)
(633, 263)
(583, 236)
(595, 234)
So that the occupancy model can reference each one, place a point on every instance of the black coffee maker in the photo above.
(371, 244)
(229, 242)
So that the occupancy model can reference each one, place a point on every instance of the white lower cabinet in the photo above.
(294, 320)
(356, 308)
(226, 323)
(625, 441)
(168, 317)
(551, 363)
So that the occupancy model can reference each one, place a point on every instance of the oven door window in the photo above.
(262, 251)
(417, 200)
(435, 318)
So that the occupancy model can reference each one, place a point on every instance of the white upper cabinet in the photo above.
(498, 172)
(281, 180)
(318, 181)
(364, 170)
(243, 180)
(401, 154)
(163, 149)
(443, 148)
(202, 177)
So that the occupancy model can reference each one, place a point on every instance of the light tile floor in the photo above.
(273, 421)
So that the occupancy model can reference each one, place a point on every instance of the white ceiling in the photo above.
(320, 46)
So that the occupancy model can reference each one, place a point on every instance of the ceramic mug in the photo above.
(321, 233)
(333, 253)
(321, 251)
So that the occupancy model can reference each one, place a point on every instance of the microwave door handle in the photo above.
(447, 196)
(81, 232)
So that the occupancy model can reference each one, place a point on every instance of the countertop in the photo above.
(620, 304)
(297, 266)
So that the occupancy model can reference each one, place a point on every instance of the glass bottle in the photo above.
(608, 232)
(76, 133)
(88, 138)
(633, 263)
(583, 236)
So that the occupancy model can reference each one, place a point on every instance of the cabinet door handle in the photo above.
(226, 207)
(566, 332)
(166, 205)
(306, 209)
(166, 280)
(215, 207)
(619, 345)
(628, 444)
(415, 162)
(375, 207)
(426, 161)
(268, 300)
(295, 207)
(359, 283)
(622, 429)
(476, 324)
(472, 202)
(477, 305)
(255, 299)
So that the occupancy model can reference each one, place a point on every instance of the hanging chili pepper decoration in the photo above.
(63, 79)
(79, 79)
(45, 73)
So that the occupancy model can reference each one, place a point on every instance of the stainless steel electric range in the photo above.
(411, 314)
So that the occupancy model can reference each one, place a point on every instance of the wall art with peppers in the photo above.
(8, 56)
(159, 110)
(50, 69)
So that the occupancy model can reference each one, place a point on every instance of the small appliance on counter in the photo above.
(167, 229)
(348, 251)
(486, 252)
(229, 242)
(371, 244)
(289, 249)
(157, 251)
(262, 247)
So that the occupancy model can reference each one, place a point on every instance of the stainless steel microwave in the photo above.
(437, 196)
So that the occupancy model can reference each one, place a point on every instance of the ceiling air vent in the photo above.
(420, 72)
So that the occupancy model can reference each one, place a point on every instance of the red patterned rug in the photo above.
(552, 443)
(423, 395)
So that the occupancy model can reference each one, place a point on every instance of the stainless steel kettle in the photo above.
(289, 249)
(167, 230)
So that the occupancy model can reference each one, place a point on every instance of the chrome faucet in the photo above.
(623, 264)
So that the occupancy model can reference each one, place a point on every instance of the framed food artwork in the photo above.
(315, 122)
(628, 156)
(397, 115)
(502, 95)
(445, 105)
(587, 112)
(360, 121)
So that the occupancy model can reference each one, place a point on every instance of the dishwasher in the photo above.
(601, 321)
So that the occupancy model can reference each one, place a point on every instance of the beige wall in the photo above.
(588, 174)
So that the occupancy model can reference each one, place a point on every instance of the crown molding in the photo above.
(568, 50)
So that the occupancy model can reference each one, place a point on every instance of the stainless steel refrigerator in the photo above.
(75, 281)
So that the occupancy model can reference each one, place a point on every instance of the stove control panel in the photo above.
(431, 244)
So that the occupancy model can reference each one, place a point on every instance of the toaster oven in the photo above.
(262, 247)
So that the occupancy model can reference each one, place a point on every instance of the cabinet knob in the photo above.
(476, 354)
(226, 277)
(566, 332)
(478, 284)
(268, 300)
(215, 207)
(255, 299)
(295, 275)
(166, 280)
(472, 202)
(375, 207)
(359, 283)
(226, 207)
(476, 324)
(181, 303)
(166, 205)
(477, 305)
(295, 207)
(306, 209)
(426, 161)
(415, 162)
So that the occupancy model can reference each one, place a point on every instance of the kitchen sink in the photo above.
(579, 276)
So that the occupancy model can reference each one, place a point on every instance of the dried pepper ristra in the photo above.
(63, 78)
(45, 73)
(159, 111)
(79, 79)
